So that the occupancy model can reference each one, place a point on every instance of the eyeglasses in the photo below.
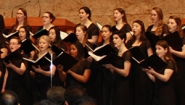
(13, 43)
(45, 16)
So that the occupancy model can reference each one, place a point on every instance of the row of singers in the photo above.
(111, 84)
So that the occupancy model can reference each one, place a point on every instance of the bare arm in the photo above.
(128, 37)
(81, 78)
(149, 51)
(20, 70)
(94, 39)
(163, 77)
(46, 73)
(180, 54)
(4, 82)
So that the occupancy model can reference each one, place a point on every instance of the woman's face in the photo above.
(14, 45)
(43, 44)
(154, 16)
(136, 28)
(106, 34)
(20, 15)
(160, 51)
(83, 15)
(80, 33)
(73, 51)
(52, 35)
(117, 15)
(172, 25)
(22, 34)
(117, 41)
(46, 19)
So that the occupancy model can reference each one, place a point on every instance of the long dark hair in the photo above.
(122, 11)
(87, 11)
(57, 32)
(27, 31)
(84, 29)
(80, 49)
(179, 24)
(51, 16)
(109, 27)
(168, 55)
(142, 37)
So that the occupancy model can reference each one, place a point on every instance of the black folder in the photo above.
(70, 38)
(27, 46)
(9, 36)
(174, 41)
(137, 54)
(43, 60)
(101, 50)
(66, 60)
(16, 55)
(111, 58)
(154, 61)
(152, 38)
(56, 50)
(40, 33)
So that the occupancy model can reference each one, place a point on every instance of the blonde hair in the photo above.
(47, 39)
(159, 29)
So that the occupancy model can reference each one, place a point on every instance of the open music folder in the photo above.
(153, 61)
(101, 50)
(45, 59)
(27, 46)
(16, 55)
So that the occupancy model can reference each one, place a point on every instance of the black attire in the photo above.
(2, 69)
(179, 78)
(13, 30)
(141, 84)
(17, 83)
(125, 29)
(153, 42)
(164, 92)
(41, 83)
(120, 89)
(79, 68)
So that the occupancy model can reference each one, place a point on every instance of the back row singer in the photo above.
(120, 81)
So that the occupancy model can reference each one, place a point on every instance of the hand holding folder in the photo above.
(65, 60)
(16, 55)
(153, 61)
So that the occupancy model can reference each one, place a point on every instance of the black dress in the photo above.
(41, 83)
(13, 30)
(164, 92)
(79, 68)
(164, 31)
(121, 92)
(141, 84)
(99, 85)
(126, 28)
(91, 31)
(2, 69)
(17, 83)
(179, 78)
